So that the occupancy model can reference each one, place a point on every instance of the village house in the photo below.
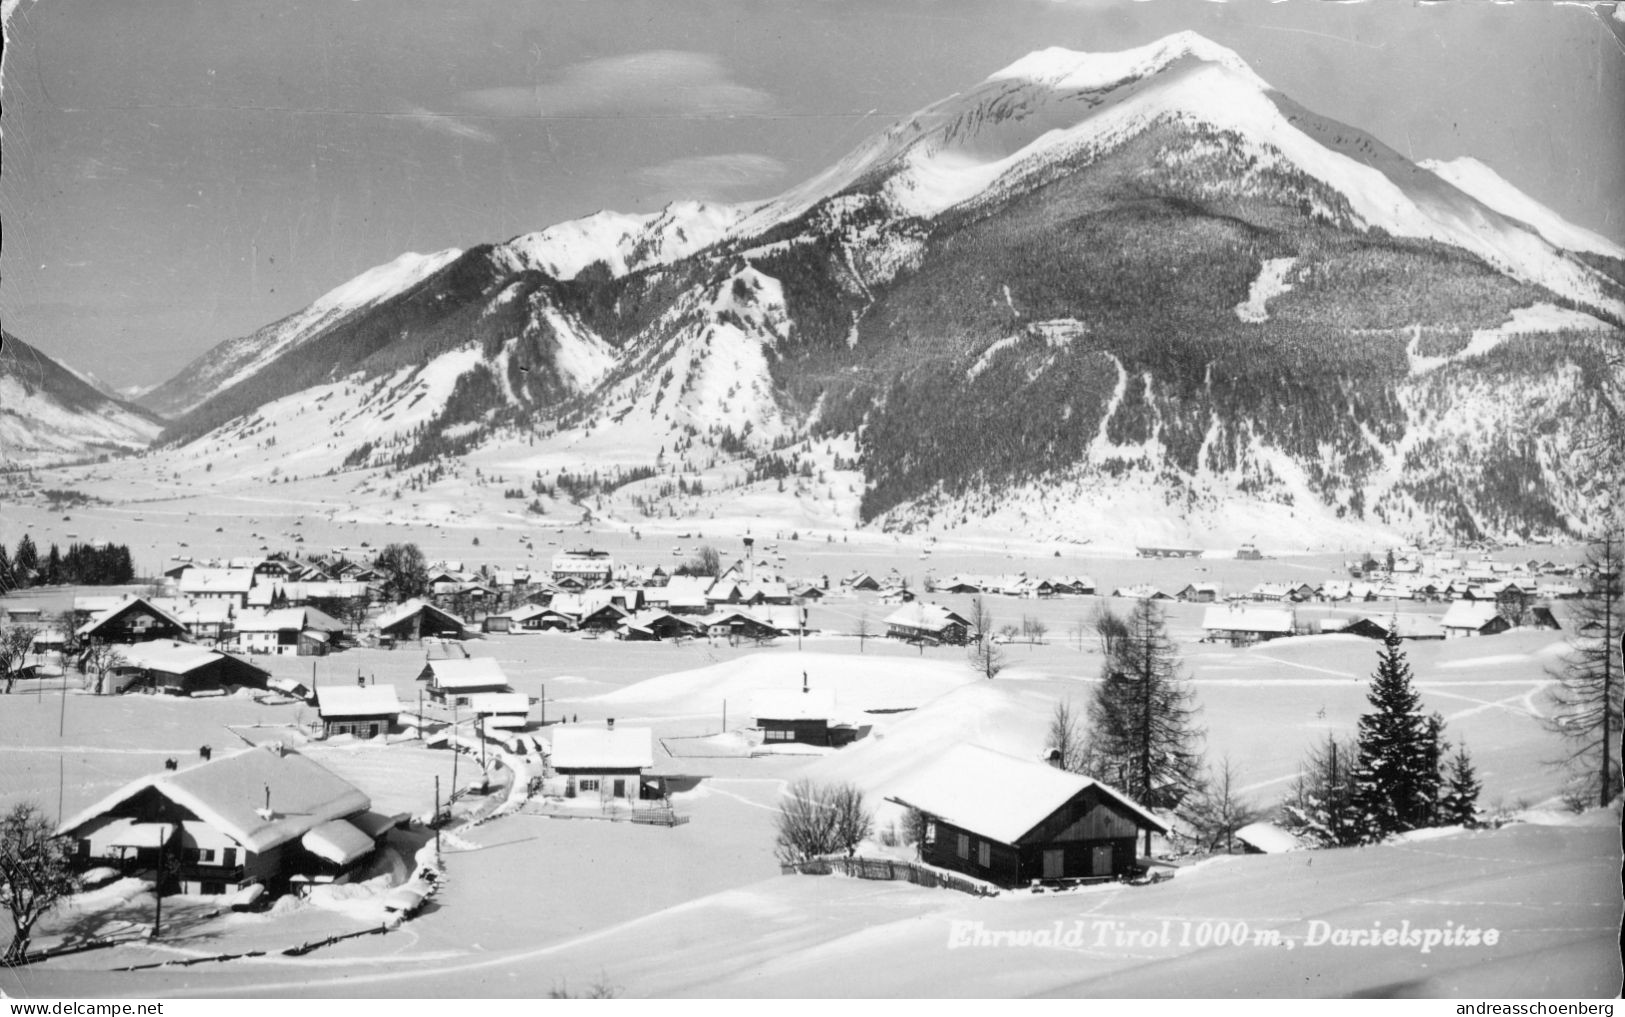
(1473, 618)
(455, 680)
(1014, 821)
(416, 620)
(504, 711)
(930, 623)
(738, 626)
(301, 631)
(649, 625)
(587, 567)
(133, 621)
(262, 816)
(366, 711)
(206, 620)
(803, 716)
(1200, 593)
(230, 585)
(604, 762)
(1244, 626)
(182, 669)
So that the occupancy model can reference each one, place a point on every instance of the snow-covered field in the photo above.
(535, 903)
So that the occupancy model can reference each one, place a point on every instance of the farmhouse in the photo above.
(1473, 618)
(1014, 821)
(456, 680)
(648, 625)
(365, 711)
(416, 619)
(135, 621)
(1243, 626)
(183, 669)
(206, 620)
(231, 585)
(261, 816)
(737, 625)
(607, 762)
(931, 623)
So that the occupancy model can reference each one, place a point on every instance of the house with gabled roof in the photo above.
(304, 631)
(366, 711)
(133, 621)
(602, 762)
(1243, 626)
(455, 679)
(1473, 618)
(930, 623)
(183, 669)
(230, 584)
(418, 619)
(261, 816)
(1014, 821)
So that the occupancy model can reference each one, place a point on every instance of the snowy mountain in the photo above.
(50, 413)
(1138, 294)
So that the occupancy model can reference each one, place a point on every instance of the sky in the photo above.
(176, 173)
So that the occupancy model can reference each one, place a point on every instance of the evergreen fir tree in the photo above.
(1458, 806)
(53, 567)
(1396, 778)
(26, 561)
(1143, 737)
(7, 581)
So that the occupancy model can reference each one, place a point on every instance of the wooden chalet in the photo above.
(738, 625)
(651, 625)
(137, 620)
(1244, 626)
(1473, 618)
(1015, 822)
(930, 623)
(804, 716)
(301, 631)
(365, 711)
(505, 711)
(457, 679)
(604, 762)
(182, 669)
(417, 619)
(262, 816)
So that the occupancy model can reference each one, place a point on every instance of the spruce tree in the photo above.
(1396, 778)
(1458, 805)
(1142, 721)
(26, 561)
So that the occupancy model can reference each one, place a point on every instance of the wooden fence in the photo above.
(888, 868)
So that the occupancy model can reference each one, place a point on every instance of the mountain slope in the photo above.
(50, 414)
(1138, 294)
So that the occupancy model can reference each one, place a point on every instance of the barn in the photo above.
(417, 619)
(183, 669)
(1014, 821)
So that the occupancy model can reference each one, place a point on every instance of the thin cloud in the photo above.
(655, 82)
(447, 124)
(713, 177)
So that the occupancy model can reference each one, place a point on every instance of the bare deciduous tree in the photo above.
(100, 658)
(820, 819)
(35, 873)
(14, 644)
(1219, 811)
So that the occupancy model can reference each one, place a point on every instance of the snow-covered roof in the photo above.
(1469, 614)
(998, 795)
(1231, 618)
(285, 619)
(1268, 838)
(584, 748)
(228, 793)
(499, 702)
(793, 704)
(194, 581)
(401, 612)
(338, 841)
(467, 673)
(90, 627)
(335, 701)
(921, 615)
(169, 656)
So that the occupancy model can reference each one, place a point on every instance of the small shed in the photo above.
(805, 716)
(456, 680)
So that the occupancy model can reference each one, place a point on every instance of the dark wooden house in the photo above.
(1014, 821)
(417, 619)
(802, 715)
(136, 621)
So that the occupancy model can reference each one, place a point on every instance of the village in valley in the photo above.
(369, 722)
(861, 500)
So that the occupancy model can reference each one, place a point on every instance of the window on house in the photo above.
(230, 857)
(964, 845)
(984, 854)
(930, 832)
(589, 784)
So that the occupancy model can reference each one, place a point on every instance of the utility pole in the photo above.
(437, 815)
(158, 885)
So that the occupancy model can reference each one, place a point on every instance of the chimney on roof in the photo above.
(804, 687)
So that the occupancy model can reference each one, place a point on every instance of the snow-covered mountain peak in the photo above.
(381, 281)
(1061, 68)
(624, 242)
(1478, 180)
